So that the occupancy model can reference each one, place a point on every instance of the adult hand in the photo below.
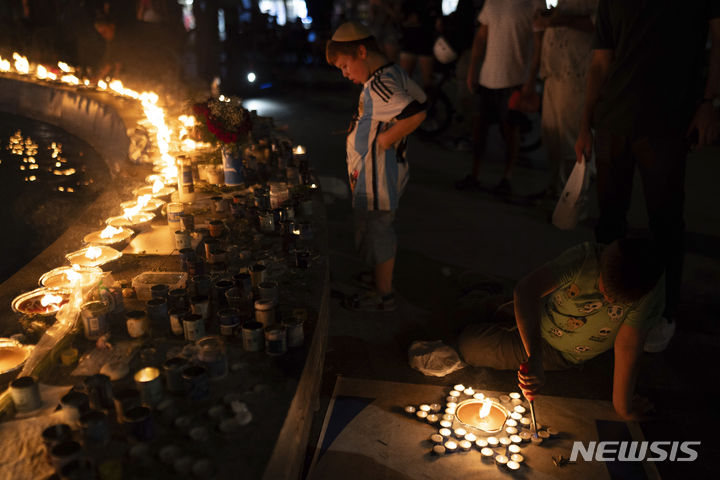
(583, 145)
(706, 123)
(531, 382)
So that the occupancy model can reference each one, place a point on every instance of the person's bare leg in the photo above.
(384, 276)
(512, 143)
(407, 62)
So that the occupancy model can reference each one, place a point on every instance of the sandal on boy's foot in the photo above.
(365, 279)
(371, 301)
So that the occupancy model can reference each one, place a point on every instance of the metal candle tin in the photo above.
(257, 274)
(222, 286)
(275, 340)
(99, 391)
(211, 352)
(137, 323)
(157, 309)
(177, 315)
(159, 290)
(25, 394)
(149, 384)
(94, 319)
(265, 312)
(295, 331)
(177, 298)
(174, 368)
(194, 327)
(196, 382)
(229, 319)
(253, 337)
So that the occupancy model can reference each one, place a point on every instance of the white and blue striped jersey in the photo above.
(378, 177)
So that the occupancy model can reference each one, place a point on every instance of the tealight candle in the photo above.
(450, 410)
(455, 394)
(511, 431)
(465, 445)
(149, 384)
(543, 434)
(451, 404)
(516, 416)
(460, 432)
(451, 446)
(445, 423)
(516, 457)
(459, 387)
(536, 440)
(487, 454)
(481, 443)
(435, 407)
(505, 398)
(525, 422)
(553, 432)
(519, 409)
(511, 465)
(469, 391)
(445, 432)
(436, 438)
(450, 399)
(501, 460)
(438, 450)
(493, 441)
(432, 418)
(505, 441)
(470, 437)
(410, 410)
(525, 436)
(425, 407)
(479, 396)
(448, 417)
(515, 438)
(511, 423)
(421, 414)
(515, 398)
(514, 449)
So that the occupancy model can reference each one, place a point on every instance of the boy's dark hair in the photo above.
(334, 49)
(630, 268)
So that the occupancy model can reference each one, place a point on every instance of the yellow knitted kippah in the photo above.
(351, 31)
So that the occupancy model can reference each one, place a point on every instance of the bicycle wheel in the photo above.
(439, 115)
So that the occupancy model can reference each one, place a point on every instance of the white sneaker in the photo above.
(659, 336)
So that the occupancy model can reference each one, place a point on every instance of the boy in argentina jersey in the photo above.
(590, 299)
(391, 106)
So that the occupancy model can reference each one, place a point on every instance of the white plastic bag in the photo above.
(434, 358)
(572, 201)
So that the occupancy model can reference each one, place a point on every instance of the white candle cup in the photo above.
(460, 432)
(421, 415)
(455, 394)
(493, 441)
(445, 423)
(501, 460)
(470, 437)
(525, 436)
(459, 387)
(445, 432)
(424, 407)
(515, 395)
(516, 457)
(410, 410)
(438, 450)
(536, 440)
(505, 399)
(432, 418)
(451, 405)
(512, 466)
(525, 422)
(465, 445)
(516, 416)
(543, 434)
(516, 439)
(511, 431)
(481, 443)
(451, 446)
(437, 439)
(435, 407)
(450, 399)
(511, 423)
(448, 417)
(487, 454)
(450, 410)
(505, 441)
(552, 431)
(469, 392)
(513, 449)
(519, 409)
(479, 396)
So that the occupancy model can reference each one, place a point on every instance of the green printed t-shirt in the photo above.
(577, 321)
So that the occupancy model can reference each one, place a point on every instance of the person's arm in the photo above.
(476, 56)
(400, 129)
(705, 120)
(528, 296)
(629, 344)
(596, 76)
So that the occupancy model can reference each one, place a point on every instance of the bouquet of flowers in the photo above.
(223, 119)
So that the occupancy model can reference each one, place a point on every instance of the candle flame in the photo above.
(93, 253)
(485, 410)
(50, 299)
(299, 150)
(143, 200)
(70, 79)
(73, 276)
(157, 186)
(4, 65)
(110, 232)
(102, 85)
(187, 120)
(21, 63)
(41, 72)
(64, 67)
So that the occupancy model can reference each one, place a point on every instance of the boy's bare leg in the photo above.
(383, 276)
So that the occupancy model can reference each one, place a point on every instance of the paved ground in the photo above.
(450, 241)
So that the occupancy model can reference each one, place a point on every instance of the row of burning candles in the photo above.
(469, 411)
